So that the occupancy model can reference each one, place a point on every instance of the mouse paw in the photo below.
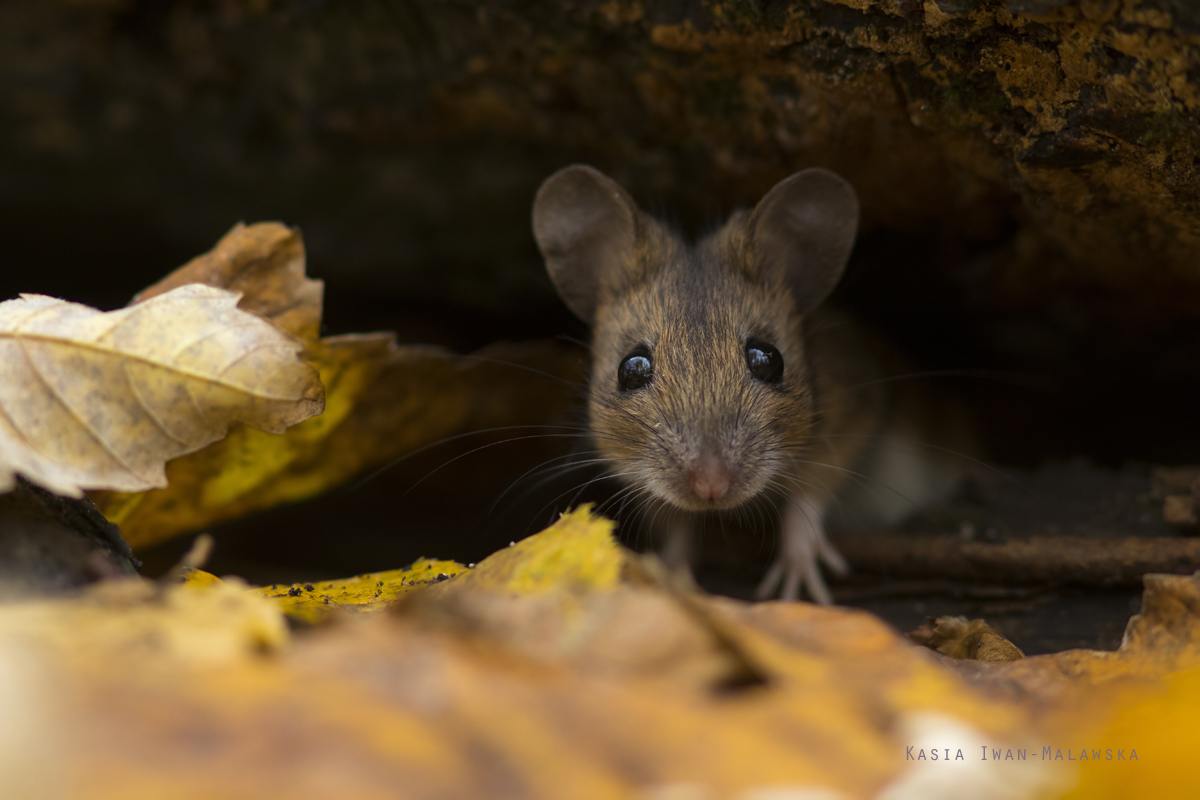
(679, 544)
(805, 547)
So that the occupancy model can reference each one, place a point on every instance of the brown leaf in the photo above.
(103, 400)
(265, 262)
(958, 638)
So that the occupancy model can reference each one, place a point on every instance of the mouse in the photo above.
(721, 381)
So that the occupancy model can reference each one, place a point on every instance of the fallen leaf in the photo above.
(102, 400)
(264, 262)
(1147, 747)
(198, 578)
(540, 675)
(382, 401)
(217, 622)
(958, 638)
(375, 591)
(577, 552)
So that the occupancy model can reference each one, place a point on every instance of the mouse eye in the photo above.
(635, 371)
(764, 361)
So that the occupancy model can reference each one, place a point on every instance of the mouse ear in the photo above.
(802, 233)
(586, 226)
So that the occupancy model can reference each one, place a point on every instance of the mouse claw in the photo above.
(805, 548)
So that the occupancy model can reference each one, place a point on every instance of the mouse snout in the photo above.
(710, 477)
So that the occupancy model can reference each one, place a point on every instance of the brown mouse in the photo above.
(718, 381)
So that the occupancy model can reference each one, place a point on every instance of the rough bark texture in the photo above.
(1079, 119)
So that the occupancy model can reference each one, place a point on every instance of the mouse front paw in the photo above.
(805, 546)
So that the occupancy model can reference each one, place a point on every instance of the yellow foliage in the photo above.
(374, 591)
(488, 680)
(198, 578)
(1147, 749)
(579, 552)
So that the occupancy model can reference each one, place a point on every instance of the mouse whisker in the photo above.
(574, 384)
(580, 487)
(555, 470)
(485, 447)
(869, 482)
(926, 445)
(579, 432)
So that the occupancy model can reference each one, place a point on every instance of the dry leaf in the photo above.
(382, 401)
(265, 263)
(577, 552)
(536, 675)
(103, 400)
(958, 638)
(375, 591)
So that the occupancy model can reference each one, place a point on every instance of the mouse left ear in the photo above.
(802, 232)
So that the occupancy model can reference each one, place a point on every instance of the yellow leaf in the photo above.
(103, 400)
(489, 680)
(579, 552)
(1147, 749)
(222, 623)
(371, 592)
(198, 578)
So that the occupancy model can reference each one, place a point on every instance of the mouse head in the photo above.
(700, 391)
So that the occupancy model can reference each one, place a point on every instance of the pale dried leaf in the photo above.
(263, 261)
(102, 400)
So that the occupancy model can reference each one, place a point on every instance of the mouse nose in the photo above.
(709, 478)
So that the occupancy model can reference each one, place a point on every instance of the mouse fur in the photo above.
(707, 432)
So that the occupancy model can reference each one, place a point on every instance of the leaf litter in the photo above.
(563, 666)
(383, 400)
(557, 668)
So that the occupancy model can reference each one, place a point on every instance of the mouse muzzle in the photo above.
(709, 478)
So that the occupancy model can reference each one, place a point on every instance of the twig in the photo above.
(1040, 559)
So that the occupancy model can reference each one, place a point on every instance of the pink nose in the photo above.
(709, 479)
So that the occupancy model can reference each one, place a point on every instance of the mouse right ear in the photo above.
(586, 227)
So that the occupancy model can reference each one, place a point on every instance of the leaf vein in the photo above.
(174, 368)
(83, 423)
